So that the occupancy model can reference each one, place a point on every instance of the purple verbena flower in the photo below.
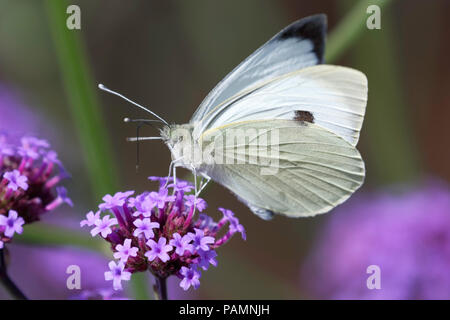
(90, 219)
(190, 278)
(33, 142)
(16, 180)
(117, 274)
(205, 222)
(144, 206)
(11, 224)
(183, 186)
(51, 157)
(125, 194)
(126, 250)
(158, 250)
(235, 226)
(103, 226)
(162, 180)
(28, 153)
(146, 227)
(5, 149)
(161, 197)
(207, 258)
(228, 214)
(181, 244)
(200, 241)
(60, 199)
(191, 200)
(110, 202)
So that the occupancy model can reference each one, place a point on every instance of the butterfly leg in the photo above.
(172, 163)
(174, 175)
(202, 181)
(194, 172)
(174, 178)
(203, 185)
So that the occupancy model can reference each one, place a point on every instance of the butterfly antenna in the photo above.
(143, 121)
(102, 87)
(134, 139)
(140, 123)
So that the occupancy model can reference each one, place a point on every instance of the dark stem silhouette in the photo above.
(6, 280)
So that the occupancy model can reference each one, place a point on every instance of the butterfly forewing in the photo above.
(334, 97)
(299, 45)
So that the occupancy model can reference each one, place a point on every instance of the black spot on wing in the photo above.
(303, 116)
(312, 28)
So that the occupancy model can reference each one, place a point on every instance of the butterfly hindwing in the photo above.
(301, 170)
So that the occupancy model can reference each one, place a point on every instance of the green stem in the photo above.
(349, 29)
(83, 102)
(48, 235)
(84, 106)
(160, 288)
(140, 282)
(388, 140)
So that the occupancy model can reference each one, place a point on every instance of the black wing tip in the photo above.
(313, 28)
(306, 28)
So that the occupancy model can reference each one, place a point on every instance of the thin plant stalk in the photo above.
(160, 288)
(348, 31)
(6, 281)
(82, 100)
(84, 106)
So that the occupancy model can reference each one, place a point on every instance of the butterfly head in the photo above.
(178, 138)
(176, 133)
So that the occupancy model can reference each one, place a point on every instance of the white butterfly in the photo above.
(280, 130)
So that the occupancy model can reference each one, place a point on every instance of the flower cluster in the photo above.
(28, 183)
(156, 231)
(406, 235)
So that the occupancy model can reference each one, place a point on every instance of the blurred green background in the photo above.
(169, 54)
